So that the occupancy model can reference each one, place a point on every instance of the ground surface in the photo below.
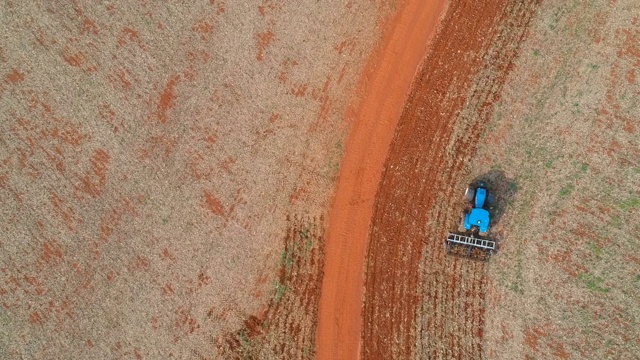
(165, 170)
(155, 161)
(441, 304)
(549, 93)
(566, 283)
(386, 84)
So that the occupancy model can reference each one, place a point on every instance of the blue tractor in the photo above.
(471, 239)
(476, 217)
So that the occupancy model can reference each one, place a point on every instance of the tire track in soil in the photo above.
(447, 110)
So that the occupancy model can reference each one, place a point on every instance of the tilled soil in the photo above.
(436, 311)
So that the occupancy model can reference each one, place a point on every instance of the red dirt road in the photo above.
(385, 83)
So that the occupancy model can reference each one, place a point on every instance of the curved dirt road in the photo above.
(385, 83)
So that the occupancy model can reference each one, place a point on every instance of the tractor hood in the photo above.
(477, 217)
(481, 196)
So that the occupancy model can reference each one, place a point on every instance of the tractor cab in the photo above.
(478, 216)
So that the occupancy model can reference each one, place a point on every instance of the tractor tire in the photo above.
(469, 194)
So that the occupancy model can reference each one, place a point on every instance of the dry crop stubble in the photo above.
(150, 156)
(565, 283)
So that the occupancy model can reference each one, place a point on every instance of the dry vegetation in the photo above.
(150, 154)
(566, 282)
(286, 329)
(164, 170)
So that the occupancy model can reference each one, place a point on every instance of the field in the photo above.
(547, 113)
(418, 301)
(566, 283)
(274, 179)
(154, 159)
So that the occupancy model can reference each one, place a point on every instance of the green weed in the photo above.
(584, 168)
(307, 352)
(513, 186)
(286, 259)
(608, 343)
(616, 222)
(629, 204)
(246, 344)
(597, 251)
(307, 236)
(594, 283)
(567, 190)
(576, 108)
(528, 152)
(281, 289)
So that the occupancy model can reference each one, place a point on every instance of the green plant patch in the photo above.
(584, 168)
(629, 204)
(594, 283)
(616, 222)
(608, 343)
(286, 259)
(567, 190)
(280, 290)
(595, 249)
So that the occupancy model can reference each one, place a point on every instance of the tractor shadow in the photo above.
(503, 189)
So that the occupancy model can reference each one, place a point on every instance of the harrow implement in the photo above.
(469, 246)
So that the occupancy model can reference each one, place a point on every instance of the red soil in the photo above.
(14, 77)
(385, 83)
(445, 114)
(414, 172)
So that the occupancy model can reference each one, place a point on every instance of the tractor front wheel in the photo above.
(469, 194)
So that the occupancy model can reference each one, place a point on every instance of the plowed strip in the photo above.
(386, 82)
(444, 116)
